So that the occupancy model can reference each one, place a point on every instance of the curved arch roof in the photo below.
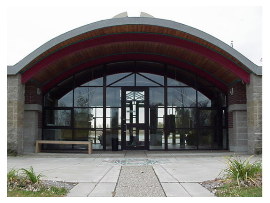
(135, 38)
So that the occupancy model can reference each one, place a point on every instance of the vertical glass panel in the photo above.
(181, 97)
(88, 96)
(58, 117)
(98, 123)
(113, 78)
(203, 101)
(156, 96)
(83, 118)
(113, 134)
(113, 98)
(173, 140)
(224, 138)
(156, 117)
(128, 81)
(157, 139)
(141, 115)
(113, 117)
(184, 139)
(184, 117)
(81, 135)
(52, 99)
(96, 112)
(206, 138)
(135, 137)
(97, 138)
(156, 78)
(207, 117)
(57, 134)
(142, 81)
(95, 82)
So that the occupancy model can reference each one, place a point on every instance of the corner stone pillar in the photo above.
(15, 114)
(32, 117)
(254, 114)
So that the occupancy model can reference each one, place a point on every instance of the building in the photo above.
(139, 82)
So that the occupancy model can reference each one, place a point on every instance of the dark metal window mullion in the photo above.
(165, 107)
(104, 107)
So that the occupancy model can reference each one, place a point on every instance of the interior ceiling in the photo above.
(135, 42)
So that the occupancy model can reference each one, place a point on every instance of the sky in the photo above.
(28, 27)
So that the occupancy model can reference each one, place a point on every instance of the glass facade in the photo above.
(140, 106)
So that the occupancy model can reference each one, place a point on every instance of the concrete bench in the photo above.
(40, 142)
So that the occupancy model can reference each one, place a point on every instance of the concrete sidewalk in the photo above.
(103, 174)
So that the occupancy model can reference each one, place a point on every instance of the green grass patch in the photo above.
(28, 184)
(43, 192)
(233, 190)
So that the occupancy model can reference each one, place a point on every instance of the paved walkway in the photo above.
(129, 173)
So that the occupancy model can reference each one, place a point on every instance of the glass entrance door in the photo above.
(135, 118)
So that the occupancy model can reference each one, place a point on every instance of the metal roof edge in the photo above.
(134, 20)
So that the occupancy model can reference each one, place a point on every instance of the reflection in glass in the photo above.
(142, 81)
(83, 118)
(113, 97)
(184, 117)
(182, 139)
(57, 117)
(88, 96)
(156, 96)
(207, 117)
(57, 134)
(157, 139)
(181, 97)
(113, 117)
(135, 137)
(206, 137)
(203, 101)
(112, 134)
(113, 78)
(128, 81)
(156, 78)
(53, 100)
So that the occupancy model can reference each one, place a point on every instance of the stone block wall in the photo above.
(237, 118)
(254, 114)
(15, 113)
(32, 117)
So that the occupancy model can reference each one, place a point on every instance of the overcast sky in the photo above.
(30, 27)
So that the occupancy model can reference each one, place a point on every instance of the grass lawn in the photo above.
(229, 190)
(43, 192)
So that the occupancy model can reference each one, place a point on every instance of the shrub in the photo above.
(12, 175)
(242, 170)
(31, 175)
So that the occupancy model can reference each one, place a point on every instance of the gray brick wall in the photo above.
(15, 113)
(254, 114)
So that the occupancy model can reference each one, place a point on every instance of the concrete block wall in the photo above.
(32, 117)
(238, 134)
(237, 118)
(254, 114)
(15, 113)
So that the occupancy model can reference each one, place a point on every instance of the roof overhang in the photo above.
(135, 38)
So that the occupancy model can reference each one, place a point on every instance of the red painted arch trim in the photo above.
(164, 39)
(126, 57)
